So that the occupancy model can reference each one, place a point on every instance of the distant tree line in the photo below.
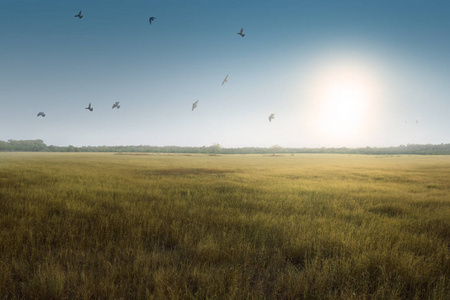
(40, 146)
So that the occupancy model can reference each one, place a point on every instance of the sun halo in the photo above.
(343, 96)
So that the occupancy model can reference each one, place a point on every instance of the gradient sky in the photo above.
(396, 52)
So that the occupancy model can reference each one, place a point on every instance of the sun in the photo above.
(344, 106)
(343, 94)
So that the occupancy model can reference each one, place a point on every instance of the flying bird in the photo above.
(241, 32)
(151, 19)
(116, 105)
(225, 80)
(41, 114)
(194, 105)
(271, 117)
(90, 107)
(79, 15)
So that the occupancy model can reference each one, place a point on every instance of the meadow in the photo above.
(149, 226)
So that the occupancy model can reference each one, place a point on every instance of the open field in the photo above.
(107, 226)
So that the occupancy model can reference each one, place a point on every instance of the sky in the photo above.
(347, 73)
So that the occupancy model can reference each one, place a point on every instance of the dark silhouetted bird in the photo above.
(225, 80)
(90, 107)
(151, 19)
(79, 15)
(116, 105)
(41, 114)
(271, 117)
(241, 32)
(194, 105)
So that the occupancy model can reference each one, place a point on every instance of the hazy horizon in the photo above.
(222, 147)
(335, 74)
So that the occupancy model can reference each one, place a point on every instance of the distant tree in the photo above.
(214, 148)
(52, 148)
(5, 146)
(28, 145)
(72, 149)
(276, 149)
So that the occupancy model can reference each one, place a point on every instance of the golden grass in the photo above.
(105, 226)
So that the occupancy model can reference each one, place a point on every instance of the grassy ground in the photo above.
(107, 226)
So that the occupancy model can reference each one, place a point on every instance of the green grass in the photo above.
(106, 226)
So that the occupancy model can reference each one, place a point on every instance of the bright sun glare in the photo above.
(343, 94)
(344, 106)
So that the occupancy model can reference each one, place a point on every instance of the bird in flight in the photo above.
(90, 107)
(79, 15)
(116, 105)
(194, 105)
(151, 19)
(241, 32)
(225, 80)
(271, 117)
(41, 114)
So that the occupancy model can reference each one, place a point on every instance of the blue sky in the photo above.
(299, 59)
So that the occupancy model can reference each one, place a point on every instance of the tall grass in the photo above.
(105, 226)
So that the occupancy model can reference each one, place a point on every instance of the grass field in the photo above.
(108, 226)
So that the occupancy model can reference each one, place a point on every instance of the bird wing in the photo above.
(242, 29)
(225, 80)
